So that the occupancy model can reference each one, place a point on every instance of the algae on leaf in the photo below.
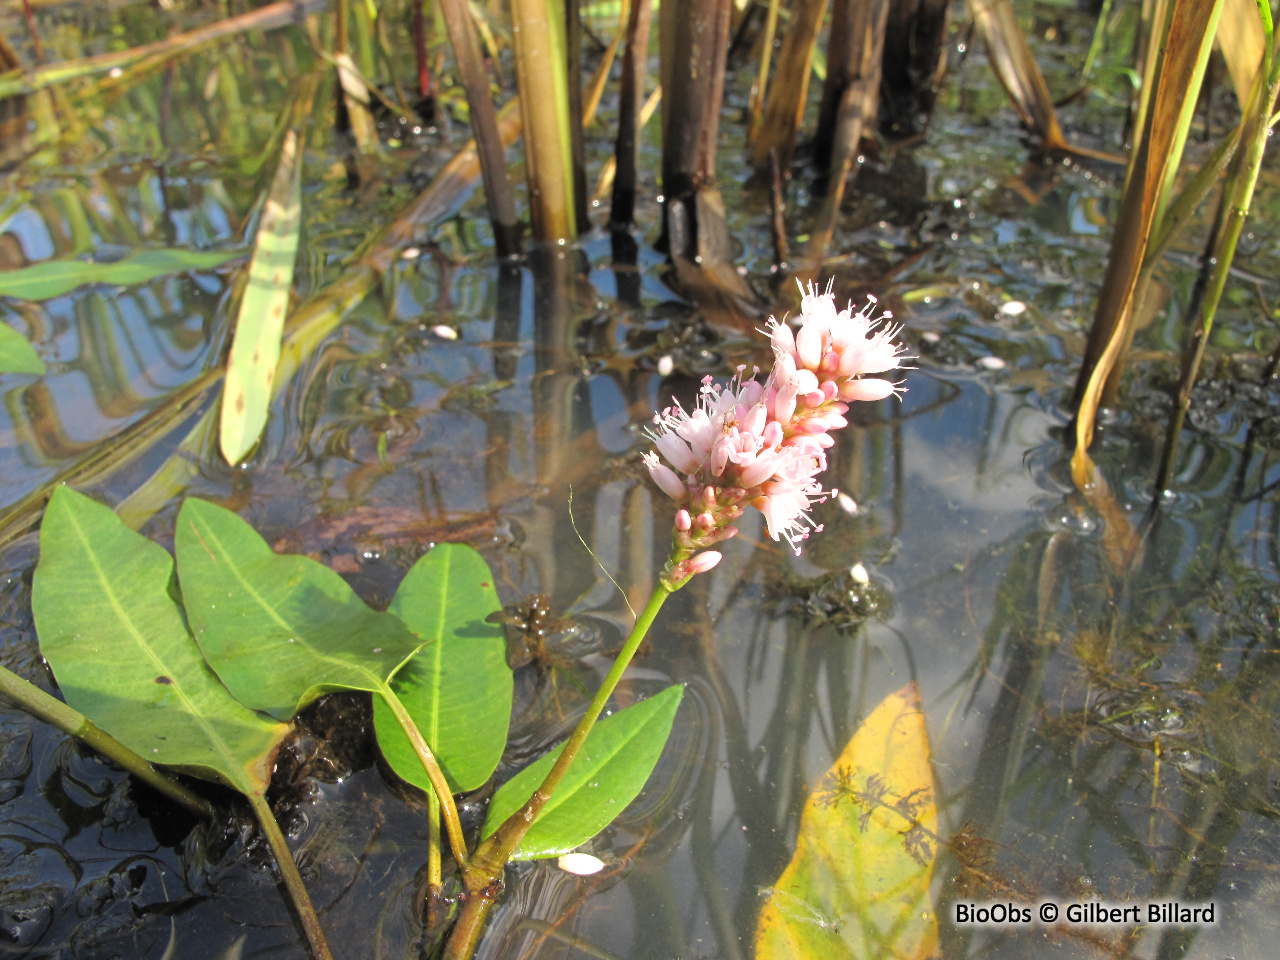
(858, 884)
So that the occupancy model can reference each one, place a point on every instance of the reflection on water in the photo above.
(1097, 731)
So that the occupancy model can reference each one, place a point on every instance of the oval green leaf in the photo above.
(17, 355)
(53, 278)
(115, 637)
(279, 629)
(610, 770)
(255, 350)
(858, 884)
(457, 688)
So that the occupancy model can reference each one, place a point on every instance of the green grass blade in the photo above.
(255, 351)
(53, 278)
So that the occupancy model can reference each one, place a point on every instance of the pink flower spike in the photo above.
(683, 521)
(703, 562)
(665, 478)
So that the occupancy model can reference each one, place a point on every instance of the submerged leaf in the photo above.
(457, 688)
(255, 351)
(17, 355)
(279, 629)
(53, 278)
(115, 637)
(858, 884)
(610, 769)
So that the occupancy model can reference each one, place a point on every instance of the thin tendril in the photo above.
(599, 562)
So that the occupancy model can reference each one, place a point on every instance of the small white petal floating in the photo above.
(847, 504)
(444, 332)
(410, 253)
(991, 363)
(580, 864)
(665, 365)
(1014, 308)
(859, 574)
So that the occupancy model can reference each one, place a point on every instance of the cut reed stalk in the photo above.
(915, 58)
(861, 48)
(694, 37)
(630, 104)
(538, 26)
(484, 124)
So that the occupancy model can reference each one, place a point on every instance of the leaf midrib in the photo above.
(233, 767)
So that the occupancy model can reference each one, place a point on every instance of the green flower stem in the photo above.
(52, 710)
(452, 823)
(492, 855)
(292, 879)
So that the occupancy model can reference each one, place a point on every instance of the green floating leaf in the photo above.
(16, 353)
(279, 629)
(255, 350)
(457, 688)
(611, 768)
(53, 278)
(114, 635)
(858, 885)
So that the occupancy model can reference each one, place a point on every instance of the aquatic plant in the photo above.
(756, 443)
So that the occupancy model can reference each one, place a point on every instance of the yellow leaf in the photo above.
(857, 887)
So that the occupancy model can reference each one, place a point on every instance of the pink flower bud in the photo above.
(784, 407)
(665, 478)
(805, 381)
(755, 419)
(772, 435)
(815, 398)
(758, 471)
(705, 521)
(830, 389)
(782, 339)
(709, 495)
(809, 346)
(683, 521)
(866, 390)
(702, 562)
(830, 362)
(720, 456)
(677, 453)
